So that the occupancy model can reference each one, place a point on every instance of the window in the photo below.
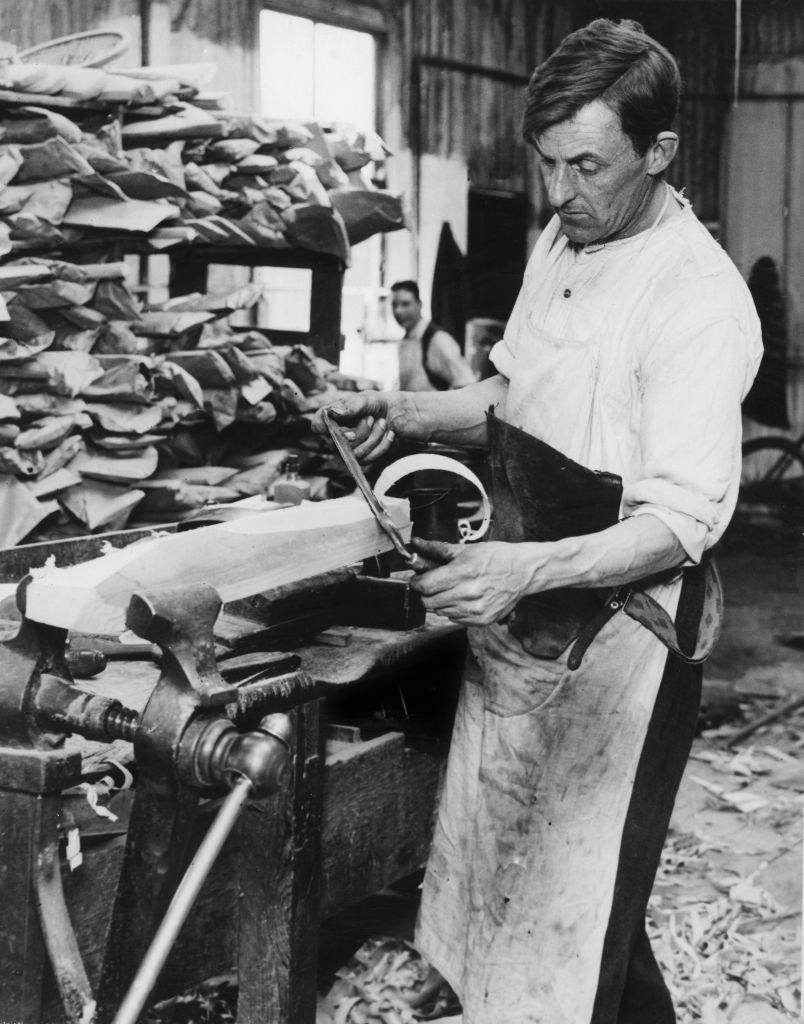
(313, 71)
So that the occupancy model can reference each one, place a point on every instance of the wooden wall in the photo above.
(29, 22)
(453, 103)
(469, 113)
(184, 31)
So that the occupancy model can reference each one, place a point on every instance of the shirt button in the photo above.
(567, 292)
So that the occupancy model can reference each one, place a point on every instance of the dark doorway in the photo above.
(497, 251)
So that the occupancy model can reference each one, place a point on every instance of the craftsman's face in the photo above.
(406, 308)
(595, 180)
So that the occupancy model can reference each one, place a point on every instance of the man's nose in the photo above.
(560, 186)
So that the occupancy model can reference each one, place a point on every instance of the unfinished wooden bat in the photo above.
(238, 558)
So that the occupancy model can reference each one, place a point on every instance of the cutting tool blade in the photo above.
(344, 449)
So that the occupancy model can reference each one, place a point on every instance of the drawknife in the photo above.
(344, 449)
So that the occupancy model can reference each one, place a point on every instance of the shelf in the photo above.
(189, 264)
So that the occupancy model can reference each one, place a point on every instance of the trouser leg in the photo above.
(631, 989)
(646, 998)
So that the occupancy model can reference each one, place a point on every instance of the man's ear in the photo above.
(661, 153)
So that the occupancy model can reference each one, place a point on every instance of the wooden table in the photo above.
(357, 817)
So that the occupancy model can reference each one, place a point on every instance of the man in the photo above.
(628, 351)
(429, 358)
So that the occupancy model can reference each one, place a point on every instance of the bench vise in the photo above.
(195, 738)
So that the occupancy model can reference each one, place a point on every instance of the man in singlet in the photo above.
(430, 358)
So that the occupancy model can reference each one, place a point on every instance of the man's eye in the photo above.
(586, 168)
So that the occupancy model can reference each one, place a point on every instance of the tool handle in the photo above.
(85, 664)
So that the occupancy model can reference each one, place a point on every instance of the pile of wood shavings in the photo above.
(384, 983)
(728, 948)
(718, 954)
(212, 1002)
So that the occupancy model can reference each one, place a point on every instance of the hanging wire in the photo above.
(738, 39)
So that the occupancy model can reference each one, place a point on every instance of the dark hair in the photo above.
(616, 62)
(407, 286)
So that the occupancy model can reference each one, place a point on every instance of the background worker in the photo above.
(630, 347)
(430, 358)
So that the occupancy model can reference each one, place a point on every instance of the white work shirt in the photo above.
(654, 340)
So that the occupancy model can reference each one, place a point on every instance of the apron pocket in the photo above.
(545, 624)
(512, 680)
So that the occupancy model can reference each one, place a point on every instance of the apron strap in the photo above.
(644, 609)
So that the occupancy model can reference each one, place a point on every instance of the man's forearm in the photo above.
(449, 417)
(632, 549)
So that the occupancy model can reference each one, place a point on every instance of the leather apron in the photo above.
(539, 494)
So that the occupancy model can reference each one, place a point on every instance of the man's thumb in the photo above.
(437, 552)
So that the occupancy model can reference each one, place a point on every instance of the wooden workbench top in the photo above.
(368, 652)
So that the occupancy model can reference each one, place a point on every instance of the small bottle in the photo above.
(290, 489)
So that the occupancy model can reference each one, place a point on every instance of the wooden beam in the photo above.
(238, 558)
(364, 17)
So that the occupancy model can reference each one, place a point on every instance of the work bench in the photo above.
(372, 723)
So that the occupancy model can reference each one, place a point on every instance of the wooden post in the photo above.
(325, 309)
(280, 878)
(22, 950)
(187, 275)
(31, 781)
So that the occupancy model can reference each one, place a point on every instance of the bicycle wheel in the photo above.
(772, 473)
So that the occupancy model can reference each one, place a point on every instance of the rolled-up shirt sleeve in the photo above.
(692, 384)
(503, 355)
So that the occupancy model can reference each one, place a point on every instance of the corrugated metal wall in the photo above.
(701, 37)
(467, 113)
(772, 29)
(494, 33)
(480, 119)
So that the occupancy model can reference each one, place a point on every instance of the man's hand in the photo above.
(478, 583)
(364, 417)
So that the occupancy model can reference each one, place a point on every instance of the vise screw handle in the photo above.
(254, 764)
(180, 905)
